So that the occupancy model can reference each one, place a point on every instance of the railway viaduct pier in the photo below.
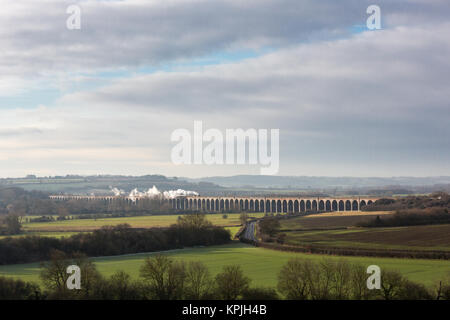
(270, 204)
(238, 204)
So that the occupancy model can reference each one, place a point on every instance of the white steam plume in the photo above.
(117, 192)
(154, 193)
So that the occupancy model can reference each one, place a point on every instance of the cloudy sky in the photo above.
(105, 98)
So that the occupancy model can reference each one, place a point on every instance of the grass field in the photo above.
(135, 222)
(42, 234)
(261, 265)
(67, 228)
(56, 234)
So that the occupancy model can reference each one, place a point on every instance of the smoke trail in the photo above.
(117, 192)
(154, 193)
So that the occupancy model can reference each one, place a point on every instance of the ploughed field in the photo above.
(328, 220)
(259, 264)
(341, 232)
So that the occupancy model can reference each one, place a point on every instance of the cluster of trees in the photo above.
(410, 217)
(161, 278)
(302, 279)
(167, 279)
(190, 230)
(438, 199)
(20, 202)
(269, 226)
(269, 230)
(11, 289)
(164, 278)
(118, 207)
(10, 224)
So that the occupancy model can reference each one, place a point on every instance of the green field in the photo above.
(67, 228)
(135, 222)
(42, 234)
(233, 230)
(261, 265)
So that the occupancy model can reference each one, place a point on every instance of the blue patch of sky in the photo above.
(30, 99)
(217, 58)
(358, 28)
(48, 94)
(362, 28)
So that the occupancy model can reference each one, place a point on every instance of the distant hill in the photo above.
(240, 184)
(100, 185)
(309, 182)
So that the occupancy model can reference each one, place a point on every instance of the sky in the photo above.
(105, 98)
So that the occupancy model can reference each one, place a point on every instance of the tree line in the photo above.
(165, 278)
(435, 200)
(190, 230)
(16, 201)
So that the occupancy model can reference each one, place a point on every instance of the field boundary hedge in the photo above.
(391, 253)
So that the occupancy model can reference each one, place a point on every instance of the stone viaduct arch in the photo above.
(249, 204)
(277, 204)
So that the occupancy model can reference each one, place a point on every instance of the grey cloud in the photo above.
(372, 103)
(115, 34)
(397, 71)
(378, 98)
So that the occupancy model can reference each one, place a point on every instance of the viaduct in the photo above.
(250, 204)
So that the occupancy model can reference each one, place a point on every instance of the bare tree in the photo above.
(54, 275)
(198, 281)
(165, 277)
(391, 284)
(231, 282)
(292, 281)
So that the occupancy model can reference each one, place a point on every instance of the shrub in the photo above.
(269, 226)
(11, 289)
(414, 291)
(260, 294)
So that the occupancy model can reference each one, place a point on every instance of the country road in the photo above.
(249, 232)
